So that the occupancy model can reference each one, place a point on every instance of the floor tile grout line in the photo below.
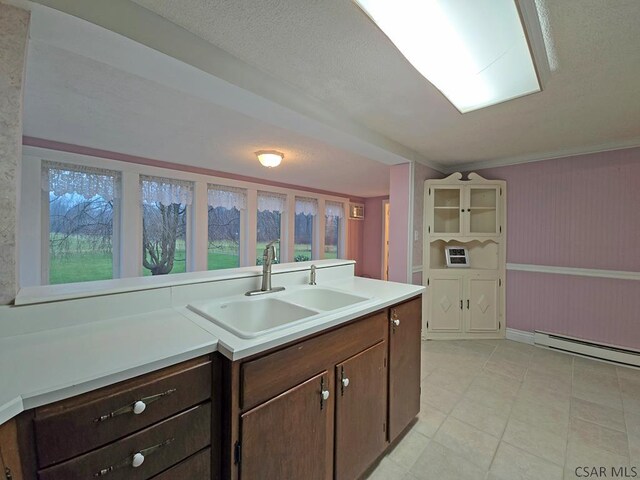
(448, 415)
(624, 416)
(500, 440)
(566, 448)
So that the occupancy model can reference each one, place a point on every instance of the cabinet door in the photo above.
(445, 307)
(290, 436)
(482, 216)
(361, 411)
(482, 304)
(10, 462)
(404, 365)
(445, 203)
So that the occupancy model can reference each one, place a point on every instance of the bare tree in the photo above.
(162, 225)
(83, 225)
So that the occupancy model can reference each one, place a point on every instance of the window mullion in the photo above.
(287, 237)
(197, 230)
(251, 229)
(320, 226)
(131, 226)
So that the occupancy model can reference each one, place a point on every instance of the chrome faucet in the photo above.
(268, 257)
(312, 279)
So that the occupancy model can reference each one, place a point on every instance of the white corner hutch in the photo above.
(465, 302)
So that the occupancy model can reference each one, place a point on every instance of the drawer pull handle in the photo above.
(134, 461)
(138, 459)
(136, 407)
(325, 394)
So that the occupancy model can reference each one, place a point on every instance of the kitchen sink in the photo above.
(323, 299)
(252, 317)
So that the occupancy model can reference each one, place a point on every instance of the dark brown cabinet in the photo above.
(139, 429)
(405, 324)
(287, 436)
(10, 462)
(361, 411)
(322, 407)
(326, 406)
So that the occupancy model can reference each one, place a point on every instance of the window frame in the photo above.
(127, 226)
(243, 226)
(45, 223)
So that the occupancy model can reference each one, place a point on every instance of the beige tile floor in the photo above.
(501, 410)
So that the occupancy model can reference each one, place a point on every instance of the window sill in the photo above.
(69, 291)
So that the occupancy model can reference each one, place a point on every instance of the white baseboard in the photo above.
(589, 349)
(520, 336)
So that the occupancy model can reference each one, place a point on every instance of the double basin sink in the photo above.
(250, 317)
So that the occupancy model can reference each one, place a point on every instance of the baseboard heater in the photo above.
(598, 351)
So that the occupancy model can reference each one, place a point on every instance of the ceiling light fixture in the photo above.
(269, 158)
(474, 51)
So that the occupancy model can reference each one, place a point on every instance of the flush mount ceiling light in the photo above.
(474, 51)
(269, 158)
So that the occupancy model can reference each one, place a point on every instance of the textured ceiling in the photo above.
(71, 98)
(330, 50)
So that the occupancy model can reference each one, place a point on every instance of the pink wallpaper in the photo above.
(581, 211)
(584, 212)
(602, 310)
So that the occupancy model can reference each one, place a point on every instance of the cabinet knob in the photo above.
(394, 317)
(139, 407)
(138, 459)
(325, 394)
(345, 382)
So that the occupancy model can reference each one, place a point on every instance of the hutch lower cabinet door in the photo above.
(445, 303)
(361, 411)
(290, 436)
(482, 303)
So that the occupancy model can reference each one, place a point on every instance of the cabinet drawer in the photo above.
(268, 376)
(80, 424)
(196, 467)
(174, 440)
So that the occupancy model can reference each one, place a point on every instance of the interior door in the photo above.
(445, 307)
(361, 411)
(290, 436)
(405, 323)
(482, 304)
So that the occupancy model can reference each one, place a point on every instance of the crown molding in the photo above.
(540, 157)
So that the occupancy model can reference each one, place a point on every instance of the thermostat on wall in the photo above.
(457, 257)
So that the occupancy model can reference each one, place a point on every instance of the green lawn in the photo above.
(79, 266)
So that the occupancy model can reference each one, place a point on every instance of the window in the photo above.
(225, 205)
(164, 224)
(334, 213)
(269, 228)
(91, 224)
(81, 213)
(306, 211)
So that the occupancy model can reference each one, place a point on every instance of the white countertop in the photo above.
(46, 366)
(383, 295)
(40, 368)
